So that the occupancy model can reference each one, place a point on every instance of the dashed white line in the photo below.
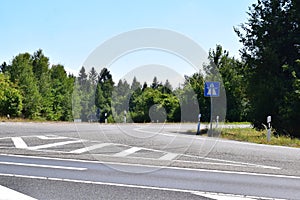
(43, 166)
(169, 156)
(85, 149)
(54, 144)
(127, 152)
(19, 142)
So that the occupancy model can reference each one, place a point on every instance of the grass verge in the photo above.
(259, 137)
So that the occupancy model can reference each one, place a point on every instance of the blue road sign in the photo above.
(212, 89)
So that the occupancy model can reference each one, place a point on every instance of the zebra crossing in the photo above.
(60, 144)
(76, 146)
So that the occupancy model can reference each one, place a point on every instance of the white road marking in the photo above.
(54, 144)
(19, 142)
(158, 166)
(9, 194)
(220, 196)
(85, 149)
(168, 156)
(50, 137)
(43, 166)
(234, 163)
(127, 152)
(200, 193)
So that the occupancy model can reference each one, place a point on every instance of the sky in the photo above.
(69, 31)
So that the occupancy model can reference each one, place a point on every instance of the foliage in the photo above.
(37, 92)
(10, 97)
(271, 39)
(103, 93)
(233, 78)
(20, 72)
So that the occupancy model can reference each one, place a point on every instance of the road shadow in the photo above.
(192, 132)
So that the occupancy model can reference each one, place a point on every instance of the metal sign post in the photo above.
(211, 89)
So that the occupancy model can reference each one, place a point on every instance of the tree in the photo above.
(155, 84)
(192, 99)
(103, 95)
(168, 85)
(93, 76)
(152, 104)
(62, 88)
(20, 72)
(40, 64)
(232, 74)
(3, 67)
(82, 78)
(145, 86)
(10, 97)
(120, 100)
(135, 84)
(271, 39)
(40, 68)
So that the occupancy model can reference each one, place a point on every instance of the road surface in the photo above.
(152, 161)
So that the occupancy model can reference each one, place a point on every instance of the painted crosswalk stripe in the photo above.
(90, 148)
(9, 194)
(168, 156)
(50, 137)
(19, 142)
(127, 152)
(54, 144)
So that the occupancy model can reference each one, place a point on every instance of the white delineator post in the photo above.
(125, 115)
(217, 121)
(198, 128)
(269, 128)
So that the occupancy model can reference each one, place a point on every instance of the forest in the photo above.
(264, 81)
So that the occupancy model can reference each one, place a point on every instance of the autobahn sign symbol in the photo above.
(212, 89)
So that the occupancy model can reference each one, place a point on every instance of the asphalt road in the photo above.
(143, 160)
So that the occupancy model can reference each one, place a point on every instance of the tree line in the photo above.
(97, 97)
(265, 81)
(29, 88)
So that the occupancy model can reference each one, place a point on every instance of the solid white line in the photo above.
(168, 156)
(158, 166)
(9, 194)
(19, 142)
(127, 152)
(54, 144)
(234, 163)
(43, 166)
(200, 193)
(85, 149)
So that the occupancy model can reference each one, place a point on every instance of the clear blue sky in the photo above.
(69, 30)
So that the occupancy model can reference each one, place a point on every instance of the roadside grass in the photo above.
(19, 119)
(259, 137)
